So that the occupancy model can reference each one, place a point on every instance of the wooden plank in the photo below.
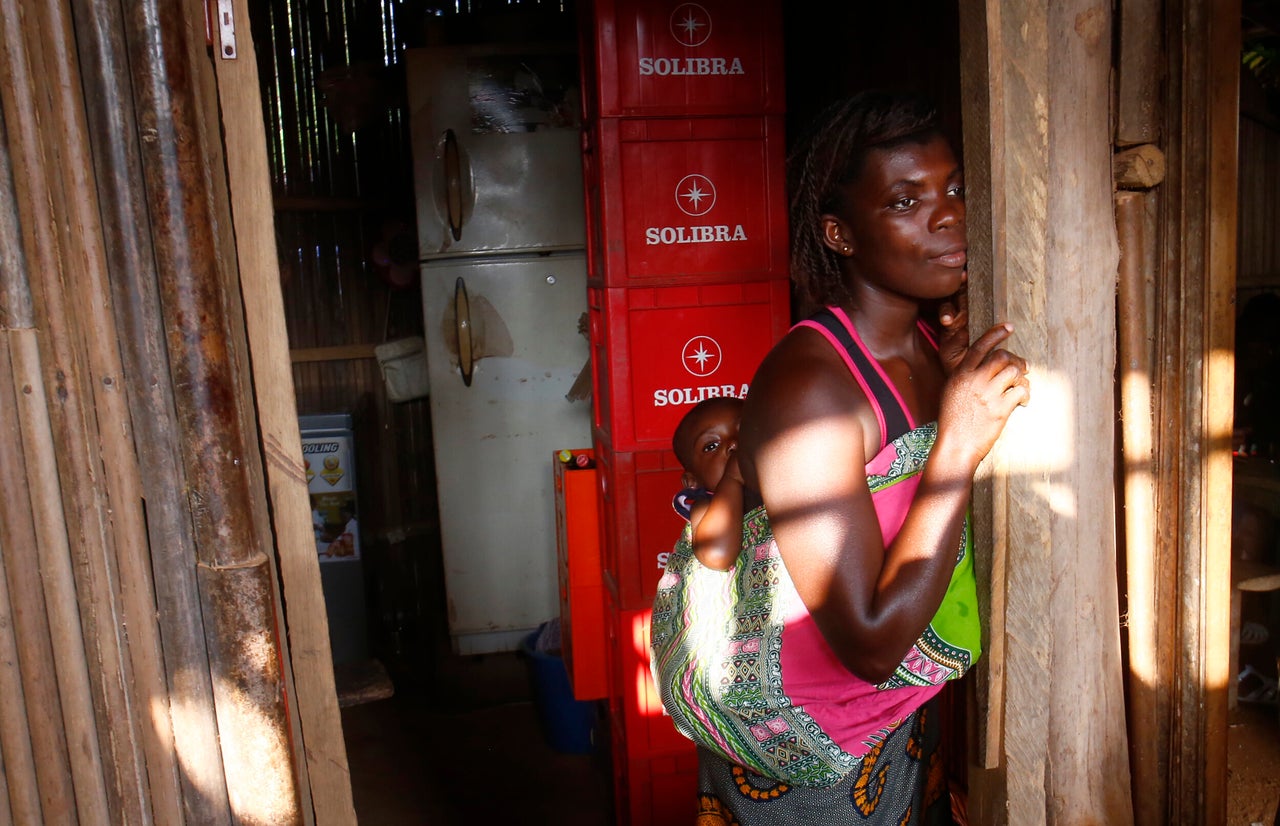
(342, 352)
(1222, 120)
(1019, 48)
(1194, 397)
(18, 734)
(58, 579)
(1148, 670)
(37, 700)
(199, 300)
(986, 254)
(1088, 746)
(1139, 70)
(1017, 42)
(1062, 727)
(52, 424)
(307, 622)
(189, 728)
(145, 437)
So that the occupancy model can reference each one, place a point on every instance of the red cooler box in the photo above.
(581, 574)
(640, 524)
(694, 200)
(657, 352)
(681, 59)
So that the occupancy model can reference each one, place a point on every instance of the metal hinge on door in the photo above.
(226, 30)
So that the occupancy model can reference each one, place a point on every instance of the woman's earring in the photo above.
(846, 249)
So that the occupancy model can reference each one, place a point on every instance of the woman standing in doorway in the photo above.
(806, 678)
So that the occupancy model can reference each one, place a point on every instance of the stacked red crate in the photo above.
(684, 165)
(678, 59)
(655, 767)
(683, 200)
(658, 351)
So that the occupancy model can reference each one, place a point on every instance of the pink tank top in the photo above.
(850, 710)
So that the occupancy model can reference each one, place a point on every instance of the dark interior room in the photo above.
(440, 731)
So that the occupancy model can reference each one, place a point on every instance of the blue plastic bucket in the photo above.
(567, 724)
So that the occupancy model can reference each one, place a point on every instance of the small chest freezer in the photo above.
(328, 453)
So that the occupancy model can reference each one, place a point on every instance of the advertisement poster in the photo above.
(331, 482)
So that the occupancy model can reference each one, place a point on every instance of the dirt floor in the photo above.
(1253, 760)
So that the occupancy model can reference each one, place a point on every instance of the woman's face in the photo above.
(902, 227)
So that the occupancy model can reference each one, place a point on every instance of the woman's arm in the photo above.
(802, 444)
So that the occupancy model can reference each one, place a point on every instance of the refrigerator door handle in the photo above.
(462, 330)
(453, 183)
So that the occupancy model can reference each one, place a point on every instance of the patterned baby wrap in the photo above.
(743, 670)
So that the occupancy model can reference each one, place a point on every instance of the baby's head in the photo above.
(705, 439)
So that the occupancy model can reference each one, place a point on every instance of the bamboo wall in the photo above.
(143, 674)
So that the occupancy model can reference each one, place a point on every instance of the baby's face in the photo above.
(715, 438)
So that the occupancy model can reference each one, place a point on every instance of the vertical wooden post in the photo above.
(1195, 389)
(200, 303)
(47, 792)
(1149, 662)
(1062, 751)
(986, 268)
(251, 206)
(54, 415)
(1138, 120)
(196, 790)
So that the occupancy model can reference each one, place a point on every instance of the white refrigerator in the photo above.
(498, 177)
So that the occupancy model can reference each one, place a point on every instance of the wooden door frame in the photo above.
(1193, 384)
(1192, 272)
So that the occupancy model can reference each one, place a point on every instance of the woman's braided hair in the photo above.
(829, 157)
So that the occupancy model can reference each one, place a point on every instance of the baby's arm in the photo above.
(717, 524)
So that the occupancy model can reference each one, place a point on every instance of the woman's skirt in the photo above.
(901, 782)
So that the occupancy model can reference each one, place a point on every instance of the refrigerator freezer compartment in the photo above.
(496, 149)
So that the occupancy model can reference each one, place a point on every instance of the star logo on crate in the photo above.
(695, 195)
(701, 356)
(690, 24)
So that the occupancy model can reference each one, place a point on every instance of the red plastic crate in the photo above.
(641, 727)
(640, 525)
(657, 351)
(582, 594)
(592, 229)
(683, 59)
(693, 200)
(655, 791)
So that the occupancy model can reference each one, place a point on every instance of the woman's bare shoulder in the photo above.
(802, 382)
(803, 369)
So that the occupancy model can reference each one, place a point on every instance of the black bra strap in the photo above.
(896, 421)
